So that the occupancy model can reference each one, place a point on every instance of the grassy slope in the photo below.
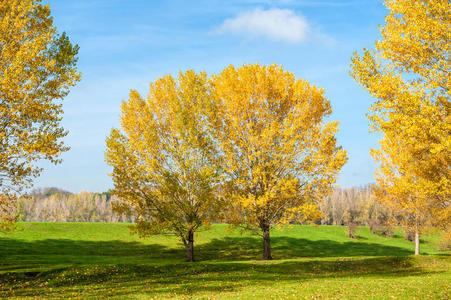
(98, 259)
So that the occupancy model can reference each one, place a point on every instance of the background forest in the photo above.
(51, 204)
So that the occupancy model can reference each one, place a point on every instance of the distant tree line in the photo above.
(354, 205)
(358, 206)
(343, 206)
(56, 205)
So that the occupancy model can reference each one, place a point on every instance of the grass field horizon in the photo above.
(61, 260)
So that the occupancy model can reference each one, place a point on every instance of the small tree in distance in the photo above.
(165, 163)
(280, 157)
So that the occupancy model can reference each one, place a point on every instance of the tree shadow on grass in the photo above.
(20, 254)
(246, 248)
(81, 247)
(191, 278)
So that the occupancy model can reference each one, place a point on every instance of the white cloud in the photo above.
(278, 24)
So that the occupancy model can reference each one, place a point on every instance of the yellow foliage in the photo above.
(280, 157)
(37, 67)
(409, 75)
(7, 212)
(165, 162)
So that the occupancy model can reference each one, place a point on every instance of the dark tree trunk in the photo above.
(266, 245)
(189, 245)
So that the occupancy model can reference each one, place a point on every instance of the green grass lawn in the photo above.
(98, 260)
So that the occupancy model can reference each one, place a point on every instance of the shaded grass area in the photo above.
(102, 260)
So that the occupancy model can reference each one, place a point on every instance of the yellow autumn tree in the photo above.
(37, 66)
(165, 163)
(409, 75)
(280, 156)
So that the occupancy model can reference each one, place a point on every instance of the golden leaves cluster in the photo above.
(280, 157)
(165, 163)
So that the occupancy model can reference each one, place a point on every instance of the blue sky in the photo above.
(126, 44)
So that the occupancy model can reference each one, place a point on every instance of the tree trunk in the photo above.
(417, 243)
(189, 245)
(266, 245)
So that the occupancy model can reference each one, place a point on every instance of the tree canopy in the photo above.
(280, 156)
(165, 163)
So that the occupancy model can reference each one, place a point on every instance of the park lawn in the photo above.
(62, 260)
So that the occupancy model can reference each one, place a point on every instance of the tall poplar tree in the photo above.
(165, 163)
(280, 156)
(409, 75)
(37, 67)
